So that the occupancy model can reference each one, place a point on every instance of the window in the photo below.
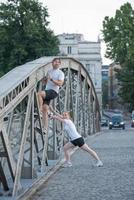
(105, 73)
(69, 49)
(88, 67)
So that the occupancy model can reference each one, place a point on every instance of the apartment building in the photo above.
(88, 53)
(113, 87)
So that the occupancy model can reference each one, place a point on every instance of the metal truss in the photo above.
(25, 151)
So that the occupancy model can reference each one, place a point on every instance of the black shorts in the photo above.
(78, 142)
(50, 94)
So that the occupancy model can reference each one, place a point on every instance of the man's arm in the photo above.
(44, 80)
(57, 82)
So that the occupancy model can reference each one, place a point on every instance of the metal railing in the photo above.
(25, 151)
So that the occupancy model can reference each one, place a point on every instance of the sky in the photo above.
(82, 16)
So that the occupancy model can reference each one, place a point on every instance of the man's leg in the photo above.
(45, 109)
(41, 95)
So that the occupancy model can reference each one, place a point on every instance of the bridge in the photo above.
(26, 154)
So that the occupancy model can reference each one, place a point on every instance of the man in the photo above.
(54, 79)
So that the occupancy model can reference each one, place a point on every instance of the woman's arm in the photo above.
(57, 117)
(56, 113)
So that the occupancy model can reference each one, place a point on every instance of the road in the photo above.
(84, 181)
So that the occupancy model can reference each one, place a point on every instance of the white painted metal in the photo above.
(26, 144)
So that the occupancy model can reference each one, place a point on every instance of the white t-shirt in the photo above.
(55, 74)
(70, 128)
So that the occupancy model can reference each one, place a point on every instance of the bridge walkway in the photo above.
(84, 181)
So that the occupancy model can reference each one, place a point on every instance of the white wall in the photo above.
(88, 53)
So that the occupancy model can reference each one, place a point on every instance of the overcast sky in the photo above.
(81, 16)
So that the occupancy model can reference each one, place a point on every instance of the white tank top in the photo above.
(70, 128)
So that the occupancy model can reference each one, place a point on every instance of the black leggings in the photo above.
(78, 142)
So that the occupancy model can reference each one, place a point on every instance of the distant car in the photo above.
(117, 121)
(132, 123)
(132, 120)
(104, 122)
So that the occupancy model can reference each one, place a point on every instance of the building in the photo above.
(104, 72)
(105, 81)
(113, 88)
(88, 53)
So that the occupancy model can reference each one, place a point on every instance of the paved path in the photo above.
(83, 181)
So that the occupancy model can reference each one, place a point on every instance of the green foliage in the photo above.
(118, 33)
(24, 33)
(126, 78)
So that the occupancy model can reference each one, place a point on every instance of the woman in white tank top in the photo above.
(75, 139)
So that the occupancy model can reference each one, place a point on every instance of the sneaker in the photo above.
(67, 164)
(50, 115)
(99, 163)
(44, 130)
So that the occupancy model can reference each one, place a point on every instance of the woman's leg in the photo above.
(68, 146)
(86, 148)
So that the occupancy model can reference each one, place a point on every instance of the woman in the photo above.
(75, 139)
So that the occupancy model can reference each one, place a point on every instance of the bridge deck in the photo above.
(84, 181)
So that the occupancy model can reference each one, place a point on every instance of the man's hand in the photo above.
(44, 80)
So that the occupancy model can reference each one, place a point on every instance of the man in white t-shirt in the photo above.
(54, 79)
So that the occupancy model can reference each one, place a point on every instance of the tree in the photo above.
(24, 33)
(118, 33)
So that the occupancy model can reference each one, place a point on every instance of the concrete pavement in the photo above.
(84, 181)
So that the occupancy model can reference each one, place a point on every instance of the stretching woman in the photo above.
(75, 139)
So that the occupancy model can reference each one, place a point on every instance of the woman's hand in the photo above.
(60, 118)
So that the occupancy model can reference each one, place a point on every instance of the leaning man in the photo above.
(54, 80)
